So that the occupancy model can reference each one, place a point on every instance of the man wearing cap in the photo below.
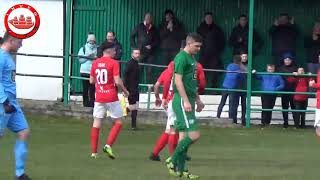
(287, 99)
(89, 50)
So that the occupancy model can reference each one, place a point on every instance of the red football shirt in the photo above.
(165, 80)
(103, 71)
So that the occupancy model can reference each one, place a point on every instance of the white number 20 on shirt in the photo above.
(102, 76)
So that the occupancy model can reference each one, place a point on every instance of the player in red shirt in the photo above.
(316, 85)
(105, 75)
(170, 136)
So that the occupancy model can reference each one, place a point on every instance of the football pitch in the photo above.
(59, 149)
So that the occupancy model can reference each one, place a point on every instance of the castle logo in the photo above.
(22, 21)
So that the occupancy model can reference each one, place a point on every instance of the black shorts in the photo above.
(133, 98)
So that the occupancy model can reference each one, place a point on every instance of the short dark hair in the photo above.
(271, 65)
(168, 11)
(106, 45)
(111, 32)
(236, 59)
(6, 37)
(243, 16)
(134, 48)
(285, 14)
(208, 13)
(195, 37)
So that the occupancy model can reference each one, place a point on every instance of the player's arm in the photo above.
(199, 103)
(119, 84)
(8, 107)
(3, 96)
(157, 93)
(182, 92)
(201, 79)
(92, 75)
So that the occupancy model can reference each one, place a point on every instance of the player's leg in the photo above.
(165, 136)
(317, 124)
(223, 100)
(161, 143)
(99, 112)
(174, 136)
(116, 115)
(3, 120)
(133, 107)
(18, 124)
(185, 122)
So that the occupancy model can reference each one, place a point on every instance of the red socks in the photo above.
(94, 139)
(172, 143)
(161, 143)
(114, 132)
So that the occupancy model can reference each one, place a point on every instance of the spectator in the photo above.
(312, 45)
(171, 35)
(231, 81)
(287, 99)
(111, 37)
(269, 83)
(145, 37)
(131, 82)
(300, 100)
(284, 35)
(239, 37)
(243, 85)
(213, 46)
(89, 50)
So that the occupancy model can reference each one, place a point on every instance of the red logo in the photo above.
(22, 21)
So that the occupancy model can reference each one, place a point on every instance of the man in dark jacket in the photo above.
(171, 35)
(145, 37)
(312, 45)
(239, 37)
(111, 37)
(284, 35)
(131, 82)
(213, 46)
(287, 99)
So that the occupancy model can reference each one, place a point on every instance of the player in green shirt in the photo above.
(184, 101)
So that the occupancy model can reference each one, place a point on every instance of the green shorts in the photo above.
(185, 121)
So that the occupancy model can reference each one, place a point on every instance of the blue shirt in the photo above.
(7, 76)
(232, 80)
(271, 82)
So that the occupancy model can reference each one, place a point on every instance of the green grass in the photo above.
(60, 150)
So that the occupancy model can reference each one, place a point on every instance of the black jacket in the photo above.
(213, 39)
(288, 69)
(312, 49)
(132, 76)
(243, 33)
(140, 38)
(283, 38)
(118, 48)
(171, 40)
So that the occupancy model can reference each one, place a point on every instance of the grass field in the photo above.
(60, 149)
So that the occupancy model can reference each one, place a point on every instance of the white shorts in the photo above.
(171, 116)
(100, 109)
(317, 119)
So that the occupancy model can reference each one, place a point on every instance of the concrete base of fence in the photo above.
(153, 116)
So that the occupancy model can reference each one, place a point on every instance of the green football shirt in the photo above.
(186, 65)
